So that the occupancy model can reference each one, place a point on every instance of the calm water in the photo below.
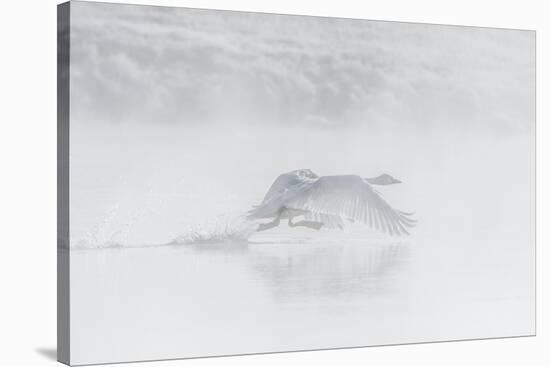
(273, 294)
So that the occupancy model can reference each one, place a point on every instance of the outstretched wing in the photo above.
(329, 220)
(351, 197)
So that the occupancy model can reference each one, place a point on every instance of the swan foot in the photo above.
(306, 223)
(266, 226)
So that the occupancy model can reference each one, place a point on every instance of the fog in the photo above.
(157, 65)
(146, 185)
(180, 121)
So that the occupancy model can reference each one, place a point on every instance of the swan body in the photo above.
(329, 201)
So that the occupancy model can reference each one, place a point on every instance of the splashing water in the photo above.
(142, 220)
(112, 231)
(224, 229)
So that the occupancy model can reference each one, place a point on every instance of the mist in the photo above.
(181, 119)
(156, 65)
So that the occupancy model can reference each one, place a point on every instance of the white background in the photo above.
(28, 183)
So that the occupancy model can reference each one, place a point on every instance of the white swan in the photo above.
(328, 201)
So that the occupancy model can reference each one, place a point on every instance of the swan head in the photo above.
(383, 179)
(305, 173)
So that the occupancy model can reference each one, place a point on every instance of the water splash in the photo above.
(98, 236)
(114, 229)
(223, 229)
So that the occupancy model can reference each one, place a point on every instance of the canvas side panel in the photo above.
(533, 184)
(63, 263)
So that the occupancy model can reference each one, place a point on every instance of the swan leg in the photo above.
(266, 226)
(305, 223)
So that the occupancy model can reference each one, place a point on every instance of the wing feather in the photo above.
(350, 197)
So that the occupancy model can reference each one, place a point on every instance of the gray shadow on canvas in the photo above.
(48, 353)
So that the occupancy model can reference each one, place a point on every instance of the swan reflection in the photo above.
(328, 270)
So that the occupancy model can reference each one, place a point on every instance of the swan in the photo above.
(327, 201)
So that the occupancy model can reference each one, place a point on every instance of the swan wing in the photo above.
(351, 197)
(329, 220)
(282, 184)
